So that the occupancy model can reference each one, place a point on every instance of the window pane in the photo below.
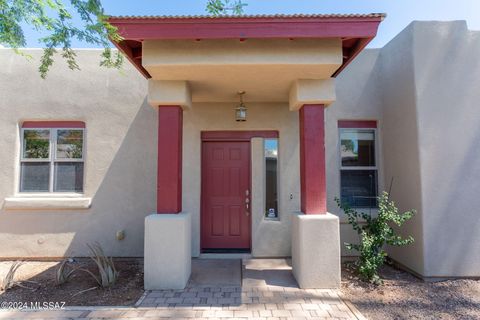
(68, 177)
(69, 144)
(357, 147)
(271, 162)
(36, 144)
(359, 188)
(34, 176)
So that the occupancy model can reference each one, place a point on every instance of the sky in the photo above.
(399, 12)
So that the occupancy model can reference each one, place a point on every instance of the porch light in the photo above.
(241, 110)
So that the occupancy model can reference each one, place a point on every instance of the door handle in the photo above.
(247, 203)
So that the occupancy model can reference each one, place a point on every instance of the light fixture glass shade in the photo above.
(241, 113)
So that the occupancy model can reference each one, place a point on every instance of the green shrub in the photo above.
(374, 234)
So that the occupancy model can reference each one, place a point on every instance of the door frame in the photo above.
(230, 136)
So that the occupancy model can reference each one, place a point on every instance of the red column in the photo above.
(312, 160)
(169, 176)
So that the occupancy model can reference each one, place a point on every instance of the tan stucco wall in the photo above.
(400, 142)
(447, 75)
(358, 98)
(121, 153)
(429, 94)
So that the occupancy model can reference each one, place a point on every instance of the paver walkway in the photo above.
(268, 291)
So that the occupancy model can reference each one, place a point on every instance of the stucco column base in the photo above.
(316, 250)
(167, 262)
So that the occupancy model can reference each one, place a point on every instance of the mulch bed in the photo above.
(403, 296)
(126, 291)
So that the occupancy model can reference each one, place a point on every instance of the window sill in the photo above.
(277, 219)
(46, 203)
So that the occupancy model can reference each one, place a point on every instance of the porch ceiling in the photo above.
(250, 53)
(265, 68)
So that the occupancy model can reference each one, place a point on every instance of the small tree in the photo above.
(374, 234)
(55, 19)
(62, 21)
(223, 7)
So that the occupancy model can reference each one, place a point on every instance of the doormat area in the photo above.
(268, 272)
(216, 273)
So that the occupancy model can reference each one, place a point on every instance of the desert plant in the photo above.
(225, 7)
(8, 280)
(374, 234)
(107, 274)
(63, 273)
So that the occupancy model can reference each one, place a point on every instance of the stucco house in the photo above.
(167, 161)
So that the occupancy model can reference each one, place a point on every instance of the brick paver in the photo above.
(252, 300)
(215, 303)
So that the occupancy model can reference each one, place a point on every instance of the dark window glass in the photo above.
(359, 188)
(68, 177)
(34, 176)
(271, 163)
(357, 147)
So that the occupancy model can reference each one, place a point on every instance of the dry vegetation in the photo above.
(42, 278)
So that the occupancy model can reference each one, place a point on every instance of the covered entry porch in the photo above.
(212, 181)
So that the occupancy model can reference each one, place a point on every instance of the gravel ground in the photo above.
(403, 296)
(126, 291)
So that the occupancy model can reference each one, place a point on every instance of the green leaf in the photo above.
(375, 234)
(54, 18)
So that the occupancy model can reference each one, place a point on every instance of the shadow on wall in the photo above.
(358, 97)
(124, 197)
(439, 62)
(450, 147)
(447, 76)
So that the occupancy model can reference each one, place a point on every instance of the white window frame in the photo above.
(52, 159)
(359, 168)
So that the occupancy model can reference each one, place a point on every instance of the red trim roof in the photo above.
(355, 30)
(357, 124)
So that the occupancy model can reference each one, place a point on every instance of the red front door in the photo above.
(225, 216)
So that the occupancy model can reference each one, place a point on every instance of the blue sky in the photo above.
(400, 12)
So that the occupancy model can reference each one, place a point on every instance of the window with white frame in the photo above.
(52, 157)
(358, 173)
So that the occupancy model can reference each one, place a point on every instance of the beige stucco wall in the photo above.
(358, 98)
(447, 75)
(121, 153)
(421, 87)
(400, 142)
(430, 133)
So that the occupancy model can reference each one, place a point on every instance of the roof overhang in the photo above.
(355, 31)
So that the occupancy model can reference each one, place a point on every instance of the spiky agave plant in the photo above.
(63, 273)
(8, 280)
(107, 274)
